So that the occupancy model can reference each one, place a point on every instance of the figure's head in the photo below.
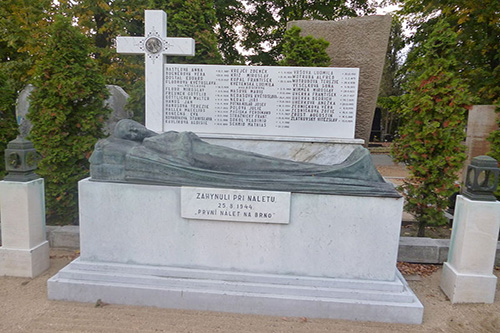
(131, 130)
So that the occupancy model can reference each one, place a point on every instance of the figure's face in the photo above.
(131, 130)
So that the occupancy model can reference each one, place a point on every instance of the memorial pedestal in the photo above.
(336, 258)
(468, 274)
(24, 251)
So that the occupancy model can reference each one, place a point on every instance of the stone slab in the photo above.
(235, 205)
(326, 153)
(418, 250)
(24, 262)
(467, 287)
(229, 291)
(352, 46)
(328, 235)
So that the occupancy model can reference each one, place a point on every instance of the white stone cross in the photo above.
(155, 45)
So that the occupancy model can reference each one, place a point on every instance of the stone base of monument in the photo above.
(334, 258)
(467, 275)
(24, 262)
(24, 251)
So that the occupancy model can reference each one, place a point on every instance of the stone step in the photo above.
(268, 294)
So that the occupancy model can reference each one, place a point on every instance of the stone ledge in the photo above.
(67, 236)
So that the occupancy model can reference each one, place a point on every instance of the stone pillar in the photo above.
(359, 42)
(24, 251)
(468, 274)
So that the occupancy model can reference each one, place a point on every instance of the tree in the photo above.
(195, 19)
(102, 21)
(263, 22)
(228, 14)
(8, 128)
(433, 129)
(389, 99)
(67, 115)
(304, 51)
(477, 25)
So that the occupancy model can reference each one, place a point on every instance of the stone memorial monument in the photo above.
(169, 219)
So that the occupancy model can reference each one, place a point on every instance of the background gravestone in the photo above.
(116, 102)
(480, 124)
(358, 42)
(22, 107)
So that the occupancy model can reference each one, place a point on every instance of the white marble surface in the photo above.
(212, 290)
(235, 205)
(24, 250)
(325, 153)
(328, 236)
(468, 273)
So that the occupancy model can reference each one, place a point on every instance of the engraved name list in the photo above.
(246, 100)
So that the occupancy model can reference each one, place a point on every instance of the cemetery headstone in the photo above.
(359, 42)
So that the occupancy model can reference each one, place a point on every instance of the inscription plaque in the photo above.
(269, 101)
(235, 205)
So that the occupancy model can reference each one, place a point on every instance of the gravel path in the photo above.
(25, 308)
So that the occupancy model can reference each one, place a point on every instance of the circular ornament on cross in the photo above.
(153, 45)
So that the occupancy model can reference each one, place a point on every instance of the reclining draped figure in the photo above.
(135, 154)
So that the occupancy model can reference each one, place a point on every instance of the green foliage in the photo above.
(195, 19)
(137, 101)
(263, 22)
(228, 15)
(67, 116)
(102, 21)
(8, 126)
(477, 25)
(389, 99)
(22, 26)
(304, 51)
(494, 139)
(430, 139)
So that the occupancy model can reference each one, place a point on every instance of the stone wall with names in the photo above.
(265, 101)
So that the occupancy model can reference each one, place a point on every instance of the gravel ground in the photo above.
(25, 308)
